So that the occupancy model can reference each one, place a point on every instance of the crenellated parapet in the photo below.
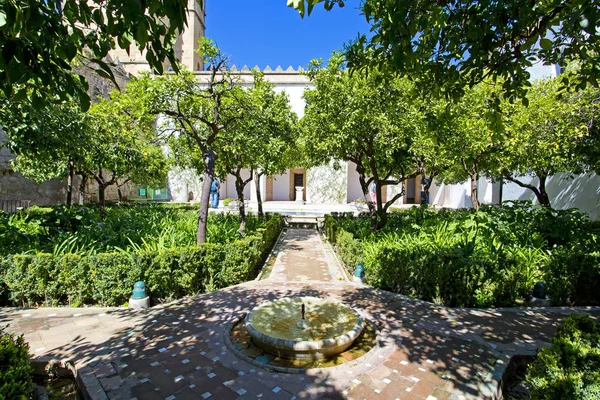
(267, 69)
(278, 76)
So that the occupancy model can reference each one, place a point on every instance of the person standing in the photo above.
(214, 193)
(373, 192)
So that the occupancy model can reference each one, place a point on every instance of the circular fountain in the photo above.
(305, 328)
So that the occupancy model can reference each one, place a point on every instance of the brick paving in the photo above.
(178, 351)
(301, 258)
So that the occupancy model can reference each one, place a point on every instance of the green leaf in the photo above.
(84, 101)
(16, 71)
(546, 44)
(20, 95)
(142, 35)
(529, 43)
(108, 72)
(103, 74)
(2, 19)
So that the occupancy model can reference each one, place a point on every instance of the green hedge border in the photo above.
(107, 278)
(570, 368)
(457, 277)
(15, 367)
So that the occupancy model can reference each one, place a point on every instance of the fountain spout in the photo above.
(302, 324)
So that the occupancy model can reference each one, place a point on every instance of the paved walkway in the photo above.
(177, 351)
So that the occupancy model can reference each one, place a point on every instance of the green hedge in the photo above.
(452, 266)
(107, 278)
(570, 368)
(573, 277)
(15, 368)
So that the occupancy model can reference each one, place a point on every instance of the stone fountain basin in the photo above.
(333, 327)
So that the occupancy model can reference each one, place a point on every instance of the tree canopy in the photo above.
(194, 113)
(40, 41)
(262, 141)
(476, 126)
(542, 140)
(122, 147)
(368, 120)
(461, 42)
(110, 143)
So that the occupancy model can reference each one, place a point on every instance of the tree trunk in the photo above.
(500, 191)
(542, 195)
(257, 176)
(540, 191)
(84, 179)
(474, 192)
(239, 188)
(381, 211)
(381, 218)
(101, 188)
(70, 185)
(365, 188)
(209, 174)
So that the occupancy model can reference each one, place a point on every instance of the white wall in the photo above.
(436, 193)
(295, 92)
(354, 190)
(582, 192)
(459, 195)
(541, 71)
(281, 187)
(228, 188)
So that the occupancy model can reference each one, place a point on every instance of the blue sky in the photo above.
(267, 32)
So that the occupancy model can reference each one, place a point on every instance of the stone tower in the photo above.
(135, 62)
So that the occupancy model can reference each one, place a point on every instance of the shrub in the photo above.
(450, 275)
(570, 368)
(80, 229)
(330, 225)
(107, 278)
(174, 273)
(573, 276)
(350, 250)
(467, 258)
(15, 368)
(112, 276)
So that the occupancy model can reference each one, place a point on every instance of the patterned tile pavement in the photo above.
(177, 350)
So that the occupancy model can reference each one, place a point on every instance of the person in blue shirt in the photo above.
(214, 193)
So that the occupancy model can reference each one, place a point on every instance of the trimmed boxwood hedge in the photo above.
(570, 368)
(107, 278)
(15, 368)
(459, 273)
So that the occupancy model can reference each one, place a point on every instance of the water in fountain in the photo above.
(325, 327)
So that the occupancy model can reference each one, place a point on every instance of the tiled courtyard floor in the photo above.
(178, 351)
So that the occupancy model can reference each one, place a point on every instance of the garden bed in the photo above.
(465, 258)
(568, 369)
(75, 259)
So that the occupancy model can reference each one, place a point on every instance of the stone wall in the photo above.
(14, 186)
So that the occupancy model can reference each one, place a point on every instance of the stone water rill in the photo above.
(305, 328)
